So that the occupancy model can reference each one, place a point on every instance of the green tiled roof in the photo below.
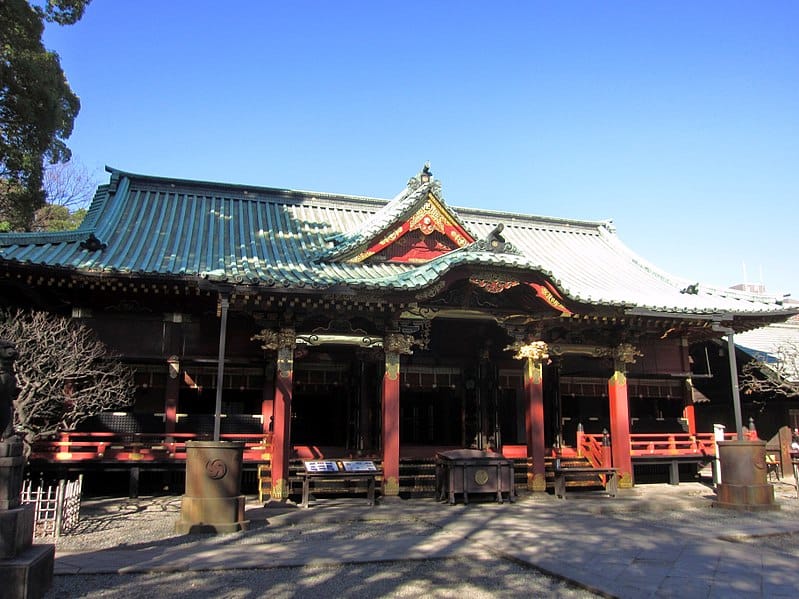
(283, 239)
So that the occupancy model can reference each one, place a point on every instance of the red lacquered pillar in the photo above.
(394, 345)
(283, 342)
(620, 416)
(534, 354)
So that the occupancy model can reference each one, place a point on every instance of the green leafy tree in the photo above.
(64, 374)
(8, 190)
(37, 106)
(58, 218)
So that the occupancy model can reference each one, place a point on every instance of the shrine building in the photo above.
(330, 325)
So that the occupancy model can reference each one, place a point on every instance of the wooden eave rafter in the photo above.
(245, 298)
(102, 281)
(315, 303)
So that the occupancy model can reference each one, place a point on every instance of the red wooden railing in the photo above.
(593, 449)
(153, 447)
(670, 444)
(139, 447)
(655, 444)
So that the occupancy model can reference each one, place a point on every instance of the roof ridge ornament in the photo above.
(93, 244)
(494, 242)
(425, 177)
(692, 289)
(384, 234)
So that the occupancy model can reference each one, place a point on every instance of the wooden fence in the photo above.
(57, 507)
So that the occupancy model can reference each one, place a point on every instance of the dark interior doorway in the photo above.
(430, 417)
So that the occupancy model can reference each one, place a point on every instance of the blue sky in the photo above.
(677, 120)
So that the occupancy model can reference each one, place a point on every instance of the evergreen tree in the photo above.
(37, 106)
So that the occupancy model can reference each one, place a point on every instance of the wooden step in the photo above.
(418, 477)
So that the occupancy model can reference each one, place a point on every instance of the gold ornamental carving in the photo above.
(285, 362)
(534, 372)
(626, 353)
(397, 343)
(618, 378)
(391, 486)
(593, 351)
(459, 239)
(282, 341)
(550, 296)
(431, 291)
(387, 240)
(428, 219)
(623, 354)
(536, 482)
(537, 351)
(280, 489)
(392, 366)
(391, 237)
(493, 283)
(625, 480)
(272, 340)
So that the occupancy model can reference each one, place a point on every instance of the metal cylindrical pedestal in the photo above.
(213, 501)
(743, 475)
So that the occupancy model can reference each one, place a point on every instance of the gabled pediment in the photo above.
(415, 227)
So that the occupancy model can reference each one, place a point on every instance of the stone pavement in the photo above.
(652, 541)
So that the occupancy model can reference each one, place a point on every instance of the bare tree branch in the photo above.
(779, 376)
(64, 374)
(69, 188)
(68, 184)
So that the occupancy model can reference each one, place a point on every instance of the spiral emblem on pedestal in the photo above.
(215, 469)
(481, 477)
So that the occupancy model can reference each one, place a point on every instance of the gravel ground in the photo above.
(717, 520)
(453, 578)
(113, 523)
(126, 522)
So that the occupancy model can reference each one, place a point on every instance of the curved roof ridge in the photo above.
(372, 225)
(420, 191)
(195, 183)
(86, 227)
(518, 219)
(684, 284)
(43, 237)
(95, 208)
(379, 203)
(667, 277)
